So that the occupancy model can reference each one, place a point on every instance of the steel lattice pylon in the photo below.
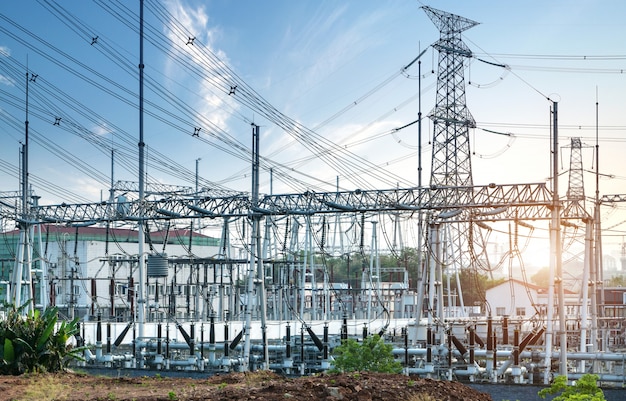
(451, 165)
(575, 198)
(451, 246)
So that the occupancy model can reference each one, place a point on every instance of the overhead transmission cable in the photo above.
(173, 100)
(229, 83)
(128, 65)
(129, 23)
(132, 103)
(67, 124)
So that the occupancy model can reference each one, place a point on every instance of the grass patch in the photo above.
(45, 388)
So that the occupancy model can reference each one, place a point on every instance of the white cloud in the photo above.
(4, 80)
(101, 129)
(210, 103)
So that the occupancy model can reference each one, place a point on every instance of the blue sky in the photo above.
(332, 66)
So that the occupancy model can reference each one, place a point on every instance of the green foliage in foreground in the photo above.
(585, 389)
(371, 355)
(30, 343)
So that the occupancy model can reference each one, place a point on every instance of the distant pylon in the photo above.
(575, 198)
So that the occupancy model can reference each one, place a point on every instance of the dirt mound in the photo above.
(259, 386)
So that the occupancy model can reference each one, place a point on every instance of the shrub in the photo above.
(371, 355)
(30, 343)
(585, 389)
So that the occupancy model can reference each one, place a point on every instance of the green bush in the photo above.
(585, 389)
(29, 343)
(371, 355)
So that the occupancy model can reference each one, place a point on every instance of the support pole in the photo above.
(584, 320)
(556, 273)
(141, 301)
(598, 309)
(255, 247)
(558, 257)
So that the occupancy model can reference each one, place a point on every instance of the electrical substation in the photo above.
(166, 277)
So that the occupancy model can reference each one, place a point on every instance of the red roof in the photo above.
(532, 286)
(118, 232)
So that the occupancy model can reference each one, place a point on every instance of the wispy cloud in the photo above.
(4, 80)
(102, 129)
(196, 21)
(330, 41)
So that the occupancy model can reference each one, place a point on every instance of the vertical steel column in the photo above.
(141, 301)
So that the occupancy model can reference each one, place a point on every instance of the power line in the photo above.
(555, 56)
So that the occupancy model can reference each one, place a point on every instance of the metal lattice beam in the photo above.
(480, 203)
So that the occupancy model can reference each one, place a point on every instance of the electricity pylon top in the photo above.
(451, 165)
(448, 23)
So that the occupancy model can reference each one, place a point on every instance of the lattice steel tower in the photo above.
(453, 245)
(575, 198)
(451, 164)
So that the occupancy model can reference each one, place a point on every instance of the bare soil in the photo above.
(259, 386)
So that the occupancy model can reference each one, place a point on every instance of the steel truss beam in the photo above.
(478, 203)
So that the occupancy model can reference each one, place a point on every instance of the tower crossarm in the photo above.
(10, 194)
(486, 202)
(448, 23)
(613, 198)
(12, 199)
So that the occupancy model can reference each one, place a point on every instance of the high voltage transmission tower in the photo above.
(451, 164)
(450, 245)
(463, 243)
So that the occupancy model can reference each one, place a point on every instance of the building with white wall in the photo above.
(90, 271)
(516, 298)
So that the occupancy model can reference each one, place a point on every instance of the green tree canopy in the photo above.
(371, 355)
(617, 281)
(585, 389)
(474, 285)
(542, 277)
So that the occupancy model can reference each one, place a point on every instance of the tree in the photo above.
(618, 280)
(371, 355)
(542, 277)
(474, 285)
(585, 389)
(348, 268)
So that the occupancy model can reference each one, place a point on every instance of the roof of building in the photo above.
(539, 289)
(53, 232)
